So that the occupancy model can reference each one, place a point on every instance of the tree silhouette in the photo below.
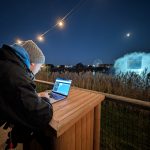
(79, 67)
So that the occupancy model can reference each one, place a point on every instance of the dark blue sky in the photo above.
(95, 30)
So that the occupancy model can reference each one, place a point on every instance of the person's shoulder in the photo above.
(17, 73)
(14, 68)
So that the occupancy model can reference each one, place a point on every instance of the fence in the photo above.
(125, 124)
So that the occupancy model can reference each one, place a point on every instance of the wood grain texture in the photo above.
(83, 133)
(78, 135)
(76, 121)
(88, 129)
(97, 127)
(92, 128)
(69, 111)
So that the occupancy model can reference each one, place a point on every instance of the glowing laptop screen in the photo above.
(62, 86)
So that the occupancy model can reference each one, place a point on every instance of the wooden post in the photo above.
(97, 127)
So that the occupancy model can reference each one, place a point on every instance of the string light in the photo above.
(60, 23)
(40, 38)
(18, 41)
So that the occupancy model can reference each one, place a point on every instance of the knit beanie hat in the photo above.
(35, 53)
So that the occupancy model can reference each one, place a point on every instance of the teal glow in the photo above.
(133, 62)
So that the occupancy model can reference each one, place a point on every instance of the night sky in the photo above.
(96, 29)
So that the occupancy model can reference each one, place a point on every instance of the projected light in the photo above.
(134, 62)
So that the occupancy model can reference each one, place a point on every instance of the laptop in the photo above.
(60, 90)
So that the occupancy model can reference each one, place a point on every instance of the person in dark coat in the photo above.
(27, 111)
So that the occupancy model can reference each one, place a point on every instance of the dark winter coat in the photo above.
(19, 102)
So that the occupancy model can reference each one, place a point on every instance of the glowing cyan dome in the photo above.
(133, 62)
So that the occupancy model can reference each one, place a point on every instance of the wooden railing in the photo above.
(76, 120)
(125, 122)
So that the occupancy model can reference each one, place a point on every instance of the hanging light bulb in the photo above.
(40, 38)
(18, 41)
(60, 23)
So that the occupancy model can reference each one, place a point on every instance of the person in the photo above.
(21, 107)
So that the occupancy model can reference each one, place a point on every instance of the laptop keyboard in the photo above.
(56, 96)
(53, 95)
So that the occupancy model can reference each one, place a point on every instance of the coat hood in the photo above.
(22, 53)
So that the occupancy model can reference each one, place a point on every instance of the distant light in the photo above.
(128, 35)
(40, 38)
(42, 66)
(60, 23)
(18, 41)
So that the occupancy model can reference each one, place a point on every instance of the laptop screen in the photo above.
(62, 86)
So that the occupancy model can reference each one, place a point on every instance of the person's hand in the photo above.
(43, 94)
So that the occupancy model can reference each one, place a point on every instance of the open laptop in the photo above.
(60, 90)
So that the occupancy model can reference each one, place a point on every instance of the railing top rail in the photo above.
(128, 100)
(44, 82)
(111, 96)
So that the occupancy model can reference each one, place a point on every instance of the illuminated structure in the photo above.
(134, 62)
(97, 63)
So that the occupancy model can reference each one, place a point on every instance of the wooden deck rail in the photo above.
(123, 101)
(113, 97)
(44, 82)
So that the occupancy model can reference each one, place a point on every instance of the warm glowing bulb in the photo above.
(19, 41)
(40, 38)
(60, 24)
